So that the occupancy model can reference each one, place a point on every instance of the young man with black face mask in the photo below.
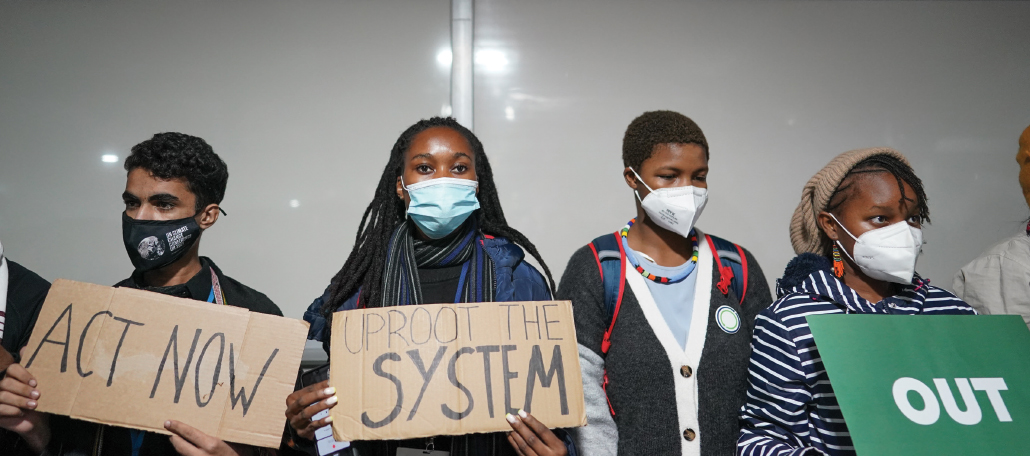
(172, 194)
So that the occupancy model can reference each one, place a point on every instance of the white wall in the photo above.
(304, 101)
(779, 89)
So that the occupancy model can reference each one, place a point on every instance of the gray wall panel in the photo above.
(302, 100)
(779, 89)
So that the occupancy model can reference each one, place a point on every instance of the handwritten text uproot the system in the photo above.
(449, 369)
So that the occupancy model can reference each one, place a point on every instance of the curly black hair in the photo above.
(883, 163)
(364, 268)
(658, 127)
(180, 156)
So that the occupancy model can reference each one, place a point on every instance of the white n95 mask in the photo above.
(887, 253)
(675, 209)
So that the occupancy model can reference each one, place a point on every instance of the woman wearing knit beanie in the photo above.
(865, 205)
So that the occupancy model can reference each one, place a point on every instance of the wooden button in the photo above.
(686, 371)
(689, 435)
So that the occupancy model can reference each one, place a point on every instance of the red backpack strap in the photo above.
(606, 342)
(597, 258)
(612, 293)
(725, 273)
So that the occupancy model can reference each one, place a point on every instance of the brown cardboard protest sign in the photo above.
(136, 359)
(451, 369)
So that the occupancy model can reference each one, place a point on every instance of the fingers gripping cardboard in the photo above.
(136, 359)
(451, 369)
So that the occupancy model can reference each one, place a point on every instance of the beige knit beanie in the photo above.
(805, 234)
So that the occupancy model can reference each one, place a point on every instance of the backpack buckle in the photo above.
(604, 386)
(725, 276)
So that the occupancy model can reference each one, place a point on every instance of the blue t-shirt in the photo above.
(674, 300)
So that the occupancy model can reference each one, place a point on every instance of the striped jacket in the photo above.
(791, 408)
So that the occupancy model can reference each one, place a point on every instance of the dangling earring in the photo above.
(838, 264)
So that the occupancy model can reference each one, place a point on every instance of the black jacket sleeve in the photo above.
(26, 292)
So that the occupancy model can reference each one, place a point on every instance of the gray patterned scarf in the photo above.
(464, 247)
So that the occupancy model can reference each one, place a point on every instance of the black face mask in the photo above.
(154, 244)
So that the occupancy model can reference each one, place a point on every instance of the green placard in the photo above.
(901, 380)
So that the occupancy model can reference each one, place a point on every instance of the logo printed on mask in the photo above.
(178, 237)
(675, 209)
(150, 248)
(728, 319)
(154, 244)
(669, 216)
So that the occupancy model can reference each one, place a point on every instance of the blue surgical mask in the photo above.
(439, 206)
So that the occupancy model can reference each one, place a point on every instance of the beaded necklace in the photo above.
(652, 277)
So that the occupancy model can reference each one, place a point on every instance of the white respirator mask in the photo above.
(887, 253)
(675, 209)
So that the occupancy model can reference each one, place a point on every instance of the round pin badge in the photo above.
(727, 319)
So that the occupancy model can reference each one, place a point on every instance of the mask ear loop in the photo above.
(847, 309)
(649, 189)
(841, 225)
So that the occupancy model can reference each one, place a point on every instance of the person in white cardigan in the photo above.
(998, 282)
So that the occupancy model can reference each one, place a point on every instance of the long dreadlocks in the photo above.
(363, 269)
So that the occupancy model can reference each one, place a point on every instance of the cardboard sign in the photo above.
(929, 385)
(135, 359)
(450, 369)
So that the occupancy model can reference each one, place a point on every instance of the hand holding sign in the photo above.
(531, 438)
(5, 359)
(18, 401)
(306, 403)
(189, 441)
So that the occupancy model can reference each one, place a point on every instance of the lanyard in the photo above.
(216, 296)
(137, 440)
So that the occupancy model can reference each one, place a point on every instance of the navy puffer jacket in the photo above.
(517, 280)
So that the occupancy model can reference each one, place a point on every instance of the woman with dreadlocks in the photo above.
(857, 232)
(434, 233)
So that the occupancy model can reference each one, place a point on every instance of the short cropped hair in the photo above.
(658, 127)
(181, 156)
